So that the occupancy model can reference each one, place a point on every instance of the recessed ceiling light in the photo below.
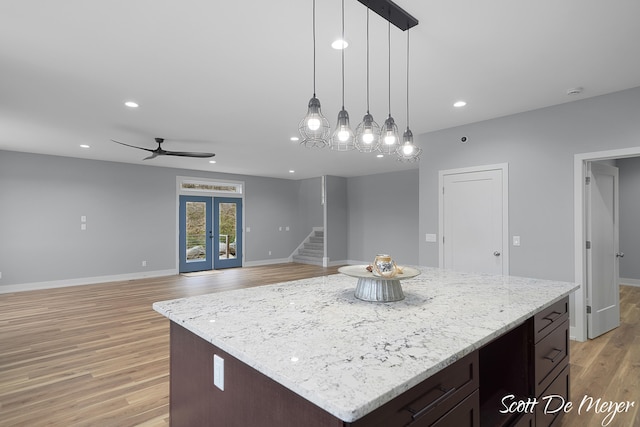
(380, 156)
(131, 104)
(295, 138)
(291, 171)
(339, 44)
(459, 104)
(84, 146)
(212, 161)
(574, 91)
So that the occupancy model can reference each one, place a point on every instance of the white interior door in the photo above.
(473, 223)
(603, 294)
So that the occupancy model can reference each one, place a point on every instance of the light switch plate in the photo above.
(430, 238)
(218, 372)
(516, 240)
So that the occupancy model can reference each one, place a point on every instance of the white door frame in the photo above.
(579, 331)
(504, 167)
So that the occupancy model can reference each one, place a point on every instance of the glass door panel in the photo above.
(228, 232)
(195, 234)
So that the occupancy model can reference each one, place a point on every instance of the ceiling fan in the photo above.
(160, 152)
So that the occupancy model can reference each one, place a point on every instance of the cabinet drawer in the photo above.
(551, 356)
(429, 400)
(550, 318)
(465, 414)
(558, 387)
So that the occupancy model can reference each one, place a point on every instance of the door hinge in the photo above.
(588, 309)
(442, 190)
(588, 244)
(587, 180)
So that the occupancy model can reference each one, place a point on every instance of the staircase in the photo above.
(312, 250)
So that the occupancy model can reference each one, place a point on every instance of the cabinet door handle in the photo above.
(417, 414)
(555, 315)
(553, 358)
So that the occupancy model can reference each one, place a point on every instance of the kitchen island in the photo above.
(308, 353)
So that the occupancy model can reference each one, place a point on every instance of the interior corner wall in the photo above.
(383, 216)
(130, 217)
(630, 217)
(539, 147)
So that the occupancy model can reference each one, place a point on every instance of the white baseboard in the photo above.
(266, 262)
(5, 289)
(630, 282)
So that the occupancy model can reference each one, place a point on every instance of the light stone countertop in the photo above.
(349, 356)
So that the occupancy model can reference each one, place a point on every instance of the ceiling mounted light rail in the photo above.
(392, 13)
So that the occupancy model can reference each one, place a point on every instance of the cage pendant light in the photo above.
(314, 127)
(343, 137)
(368, 131)
(408, 151)
(389, 140)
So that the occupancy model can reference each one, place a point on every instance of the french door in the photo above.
(210, 235)
(227, 212)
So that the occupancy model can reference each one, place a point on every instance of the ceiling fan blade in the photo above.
(133, 146)
(153, 155)
(187, 154)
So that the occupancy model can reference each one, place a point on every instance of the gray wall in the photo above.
(337, 219)
(383, 216)
(131, 217)
(630, 217)
(539, 146)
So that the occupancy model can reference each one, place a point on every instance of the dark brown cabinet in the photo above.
(529, 361)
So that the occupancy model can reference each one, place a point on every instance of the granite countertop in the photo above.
(349, 356)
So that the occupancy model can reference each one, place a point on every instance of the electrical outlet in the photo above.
(0, 274)
(286, 228)
(144, 263)
(269, 252)
(83, 226)
(516, 240)
(218, 372)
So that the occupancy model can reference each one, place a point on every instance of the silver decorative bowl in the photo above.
(372, 287)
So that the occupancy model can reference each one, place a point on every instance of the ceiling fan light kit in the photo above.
(369, 137)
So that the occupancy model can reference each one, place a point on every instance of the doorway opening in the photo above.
(581, 300)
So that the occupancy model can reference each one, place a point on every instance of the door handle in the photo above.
(496, 253)
(620, 255)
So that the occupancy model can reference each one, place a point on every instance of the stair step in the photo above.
(316, 254)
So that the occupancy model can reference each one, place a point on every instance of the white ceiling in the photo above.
(235, 77)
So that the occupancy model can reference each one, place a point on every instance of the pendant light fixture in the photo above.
(343, 137)
(367, 132)
(408, 151)
(389, 140)
(314, 127)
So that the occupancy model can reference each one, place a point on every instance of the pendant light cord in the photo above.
(407, 78)
(314, 48)
(342, 52)
(367, 57)
(389, 48)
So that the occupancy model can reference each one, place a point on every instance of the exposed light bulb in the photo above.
(407, 149)
(343, 134)
(389, 139)
(367, 136)
(313, 123)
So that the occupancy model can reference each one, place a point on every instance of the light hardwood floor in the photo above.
(98, 355)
